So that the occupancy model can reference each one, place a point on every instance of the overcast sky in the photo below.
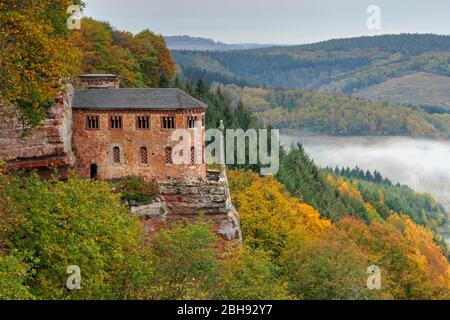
(271, 21)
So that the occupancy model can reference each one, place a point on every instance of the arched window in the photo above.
(192, 156)
(116, 155)
(144, 155)
(168, 155)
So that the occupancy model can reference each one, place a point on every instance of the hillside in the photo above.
(307, 234)
(204, 44)
(335, 114)
(419, 89)
(342, 65)
(142, 60)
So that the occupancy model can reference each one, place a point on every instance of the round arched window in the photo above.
(116, 155)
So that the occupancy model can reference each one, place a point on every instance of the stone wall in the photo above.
(95, 146)
(97, 81)
(48, 146)
(190, 199)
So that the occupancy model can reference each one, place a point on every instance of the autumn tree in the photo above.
(53, 225)
(35, 54)
(250, 274)
(413, 266)
(101, 55)
(269, 215)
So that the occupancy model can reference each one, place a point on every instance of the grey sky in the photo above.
(271, 21)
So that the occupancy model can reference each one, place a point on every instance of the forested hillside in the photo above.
(335, 114)
(204, 44)
(290, 251)
(418, 89)
(319, 259)
(308, 234)
(342, 65)
(375, 197)
(385, 198)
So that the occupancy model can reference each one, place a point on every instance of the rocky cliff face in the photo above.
(49, 146)
(187, 199)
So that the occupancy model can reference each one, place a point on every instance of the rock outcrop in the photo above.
(49, 146)
(189, 199)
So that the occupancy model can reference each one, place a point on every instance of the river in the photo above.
(424, 165)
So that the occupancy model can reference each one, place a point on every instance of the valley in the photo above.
(421, 164)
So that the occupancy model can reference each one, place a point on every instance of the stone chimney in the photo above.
(99, 81)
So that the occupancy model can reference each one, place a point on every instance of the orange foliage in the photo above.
(269, 214)
(344, 187)
(413, 266)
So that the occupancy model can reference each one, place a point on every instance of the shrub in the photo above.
(136, 189)
(185, 265)
(249, 274)
(13, 275)
(79, 222)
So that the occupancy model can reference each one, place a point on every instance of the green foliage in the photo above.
(387, 199)
(185, 261)
(269, 214)
(320, 260)
(357, 173)
(336, 114)
(136, 189)
(101, 55)
(250, 275)
(336, 66)
(219, 107)
(47, 225)
(341, 65)
(13, 275)
(187, 73)
(303, 179)
(326, 269)
(62, 224)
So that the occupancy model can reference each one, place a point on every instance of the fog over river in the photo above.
(424, 165)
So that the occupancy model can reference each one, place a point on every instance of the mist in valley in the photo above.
(424, 165)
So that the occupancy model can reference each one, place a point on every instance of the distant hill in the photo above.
(420, 89)
(342, 65)
(334, 114)
(203, 44)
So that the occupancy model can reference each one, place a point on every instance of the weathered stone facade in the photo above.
(49, 146)
(188, 199)
(95, 146)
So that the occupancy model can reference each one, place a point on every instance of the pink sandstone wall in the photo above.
(50, 145)
(95, 146)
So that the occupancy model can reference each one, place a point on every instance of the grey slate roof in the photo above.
(134, 99)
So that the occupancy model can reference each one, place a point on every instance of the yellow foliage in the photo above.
(269, 214)
(424, 252)
(344, 187)
(374, 215)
